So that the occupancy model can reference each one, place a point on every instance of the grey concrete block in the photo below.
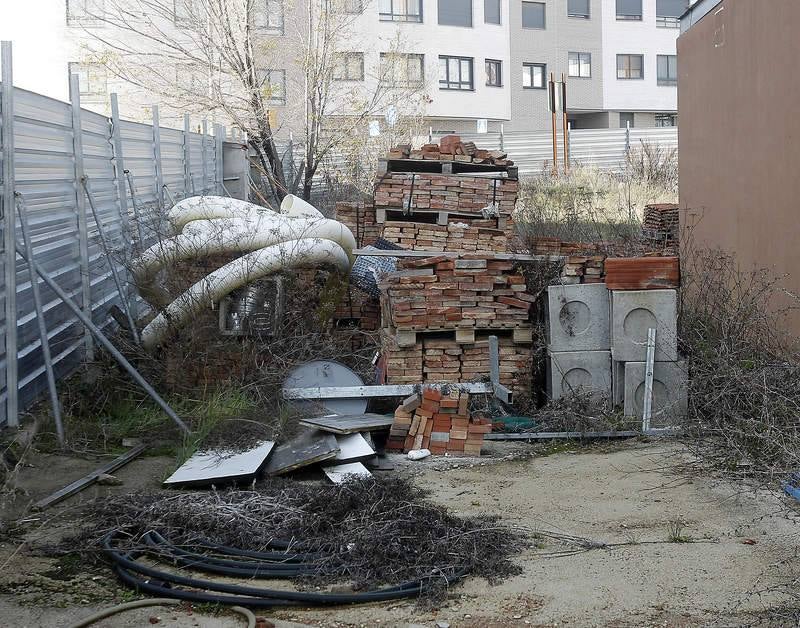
(574, 371)
(578, 318)
(670, 391)
(633, 312)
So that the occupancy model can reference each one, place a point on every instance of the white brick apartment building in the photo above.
(474, 59)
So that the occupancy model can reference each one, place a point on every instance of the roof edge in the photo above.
(696, 12)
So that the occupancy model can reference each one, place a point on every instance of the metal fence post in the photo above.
(502, 136)
(204, 158)
(9, 235)
(80, 204)
(627, 137)
(187, 157)
(119, 164)
(157, 158)
(219, 134)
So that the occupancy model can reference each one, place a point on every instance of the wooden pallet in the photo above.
(436, 166)
(382, 214)
(467, 335)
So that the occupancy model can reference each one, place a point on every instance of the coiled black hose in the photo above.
(160, 583)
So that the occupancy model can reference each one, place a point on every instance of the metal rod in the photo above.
(552, 90)
(136, 215)
(80, 204)
(101, 337)
(187, 156)
(43, 338)
(203, 157)
(157, 157)
(9, 236)
(107, 250)
(169, 194)
(564, 122)
(119, 164)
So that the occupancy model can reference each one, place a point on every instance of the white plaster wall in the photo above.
(629, 37)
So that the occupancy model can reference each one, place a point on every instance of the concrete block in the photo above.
(670, 394)
(633, 312)
(572, 371)
(578, 318)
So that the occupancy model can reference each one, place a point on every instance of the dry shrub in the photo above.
(743, 394)
(653, 164)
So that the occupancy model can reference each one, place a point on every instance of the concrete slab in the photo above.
(352, 448)
(633, 312)
(208, 467)
(670, 395)
(580, 370)
(578, 318)
(342, 472)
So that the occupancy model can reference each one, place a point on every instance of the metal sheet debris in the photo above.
(208, 467)
(353, 448)
(309, 447)
(349, 424)
(341, 472)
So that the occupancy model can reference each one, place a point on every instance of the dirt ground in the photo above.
(695, 551)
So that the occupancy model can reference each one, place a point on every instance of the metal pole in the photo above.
(647, 411)
(502, 136)
(188, 184)
(627, 136)
(169, 195)
(83, 229)
(136, 215)
(119, 165)
(157, 158)
(219, 132)
(9, 235)
(204, 158)
(105, 341)
(37, 304)
(552, 90)
(107, 250)
(564, 122)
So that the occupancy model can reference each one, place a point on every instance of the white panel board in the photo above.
(209, 466)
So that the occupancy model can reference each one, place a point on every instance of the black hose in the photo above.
(252, 596)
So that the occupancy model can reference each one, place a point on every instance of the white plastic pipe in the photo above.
(211, 207)
(306, 252)
(295, 206)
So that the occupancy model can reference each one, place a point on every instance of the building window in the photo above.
(494, 73)
(492, 11)
(668, 12)
(580, 64)
(578, 8)
(455, 12)
(667, 69)
(353, 7)
(92, 80)
(348, 66)
(664, 120)
(630, 66)
(533, 75)
(85, 12)
(400, 10)
(455, 73)
(267, 16)
(629, 10)
(402, 70)
(625, 120)
(273, 86)
(533, 15)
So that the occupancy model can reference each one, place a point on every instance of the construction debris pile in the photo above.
(454, 237)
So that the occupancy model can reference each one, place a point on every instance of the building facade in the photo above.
(475, 60)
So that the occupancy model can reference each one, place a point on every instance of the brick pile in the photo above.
(439, 422)
(436, 359)
(451, 148)
(453, 237)
(360, 219)
(359, 307)
(661, 223)
(445, 192)
(584, 269)
(468, 291)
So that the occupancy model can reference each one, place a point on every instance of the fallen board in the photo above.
(309, 447)
(216, 466)
(342, 472)
(352, 448)
(349, 424)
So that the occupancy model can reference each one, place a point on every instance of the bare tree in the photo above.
(218, 57)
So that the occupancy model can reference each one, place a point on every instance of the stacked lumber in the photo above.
(661, 223)
(441, 292)
(642, 273)
(438, 421)
(436, 359)
(453, 237)
(445, 192)
(360, 219)
(451, 148)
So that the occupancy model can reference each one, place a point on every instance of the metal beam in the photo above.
(119, 164)
(157, 158)
(188, 184)
(204, 158)
(80, 204)
(9, 235)
(358, 392)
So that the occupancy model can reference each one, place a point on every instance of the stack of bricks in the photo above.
(584, 269)
(445, 192)
(361, 308)
(451, 148)
(453, 237)
(360, 219)
(440, 422)
(435, 359)
(446, 292)
(661, 224)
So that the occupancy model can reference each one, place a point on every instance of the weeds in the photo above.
(675, 534)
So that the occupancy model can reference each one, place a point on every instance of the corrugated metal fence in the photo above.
(46, 147)
(605, 149)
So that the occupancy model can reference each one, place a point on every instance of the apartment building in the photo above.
(474, 60)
